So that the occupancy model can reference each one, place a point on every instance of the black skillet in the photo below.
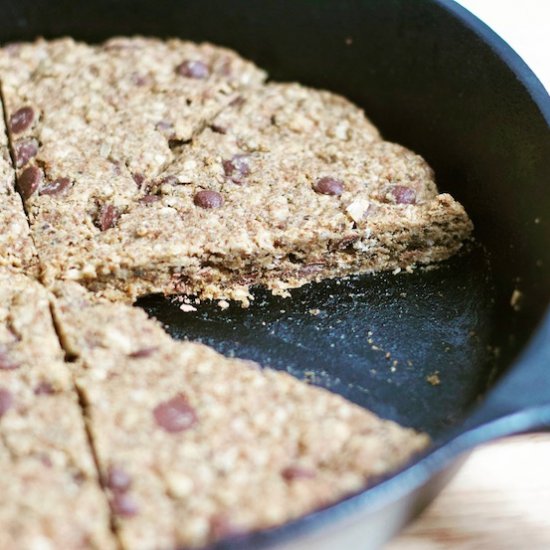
(441, 350)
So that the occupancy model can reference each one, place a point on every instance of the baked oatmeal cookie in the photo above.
(16, 246)
(170, 167)
(51, 497)
(190, 441)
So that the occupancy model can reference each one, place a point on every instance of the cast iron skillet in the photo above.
(436, 79)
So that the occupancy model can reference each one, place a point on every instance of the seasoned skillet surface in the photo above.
(416, 348)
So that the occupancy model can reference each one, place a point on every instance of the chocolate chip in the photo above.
(56, 187)
(6, 362)
(44, 388)
(293, 472)
(193, 69)
(118, 480)
(28, 181)
(175, 415)
(401, 194)
(124, 505)
(208, 199)
(25, 150)
(237, 168)
(143, 352)
(21, 119)
(149, 199)
(138, 178)
(6, 401)
(329, 186)
(108, 217)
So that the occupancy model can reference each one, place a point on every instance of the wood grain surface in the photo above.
(500, 500)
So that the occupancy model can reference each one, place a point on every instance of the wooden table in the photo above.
(501, 498)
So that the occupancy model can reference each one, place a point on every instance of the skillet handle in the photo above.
(520, 402)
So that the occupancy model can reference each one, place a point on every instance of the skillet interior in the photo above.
(382, 341)
(431, 83)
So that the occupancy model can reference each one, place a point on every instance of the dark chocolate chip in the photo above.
(138, 178)
(124, 505)
(175, 415)
(108, 217)
(6, 362)
(28, 181)
(329, 186)
(118, 480)
(56, 187)
(208, 199)
(193, 69)
(237, 168)
(293, 472)
(6, 401)
(149, 199)
(143, 352)
(401, 194)
(44, 388)
(25, 150)
(21, 119)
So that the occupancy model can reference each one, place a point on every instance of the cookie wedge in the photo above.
(171, 167)
(190, 441)
(17, 250)
(51, 496)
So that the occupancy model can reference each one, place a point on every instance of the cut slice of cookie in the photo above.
(51, 497)
(191, 442)
(87, 122)
(132, 191)
(16, 246)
